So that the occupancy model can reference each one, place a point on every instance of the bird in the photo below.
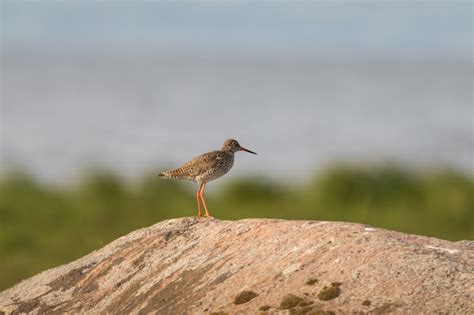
(207, 167)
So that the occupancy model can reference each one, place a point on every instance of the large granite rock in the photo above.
(197, 265)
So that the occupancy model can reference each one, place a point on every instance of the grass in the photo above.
(42, 226)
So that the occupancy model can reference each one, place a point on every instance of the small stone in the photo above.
(321, 312)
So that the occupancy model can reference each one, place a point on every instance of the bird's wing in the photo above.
(197, 166)
(202, 163)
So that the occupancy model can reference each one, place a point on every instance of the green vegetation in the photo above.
(42, 226)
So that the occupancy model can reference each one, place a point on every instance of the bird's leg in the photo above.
(198, 200)
(203, 200)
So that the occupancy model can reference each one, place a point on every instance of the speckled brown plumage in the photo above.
(204, 168)
(207, 167)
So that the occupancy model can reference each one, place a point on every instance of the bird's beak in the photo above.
(247, 150)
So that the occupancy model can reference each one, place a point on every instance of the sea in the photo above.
(134, 114)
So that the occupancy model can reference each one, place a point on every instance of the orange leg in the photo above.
(201, 193)
(198, 199)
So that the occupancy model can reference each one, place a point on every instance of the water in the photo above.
(139, 113)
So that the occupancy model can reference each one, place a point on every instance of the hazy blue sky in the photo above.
(395, 28)
(401, 89)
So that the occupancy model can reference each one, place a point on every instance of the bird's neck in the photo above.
(228, 151)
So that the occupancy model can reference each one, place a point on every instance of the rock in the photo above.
(197, 265)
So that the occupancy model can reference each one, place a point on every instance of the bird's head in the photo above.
(234, 146)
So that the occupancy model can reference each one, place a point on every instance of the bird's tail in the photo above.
(179, 173)
(171, 174)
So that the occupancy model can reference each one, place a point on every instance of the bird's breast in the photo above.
(223, 165)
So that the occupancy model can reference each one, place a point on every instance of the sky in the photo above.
(107, 82)
(373, 28)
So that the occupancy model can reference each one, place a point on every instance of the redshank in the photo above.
(207, 167)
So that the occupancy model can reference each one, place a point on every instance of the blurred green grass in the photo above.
(42, 226)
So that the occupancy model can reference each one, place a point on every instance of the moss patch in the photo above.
(265, 308)
(290, 301)
(312, 281)
(244, 297)
(301, 310)
(330, 292)
(310, 310)
(321, 312)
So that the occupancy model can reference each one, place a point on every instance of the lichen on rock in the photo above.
(330, 292)
(244, 297)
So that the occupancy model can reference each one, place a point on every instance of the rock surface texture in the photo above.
(206, 266)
